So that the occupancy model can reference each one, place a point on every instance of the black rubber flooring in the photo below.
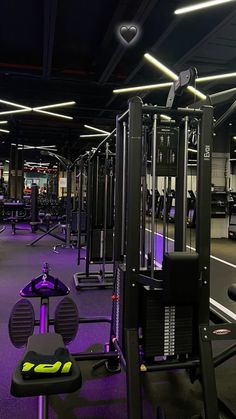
(102, 396)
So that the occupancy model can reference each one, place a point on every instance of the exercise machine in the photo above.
(99, 221)
(161, 312)
(47, 367)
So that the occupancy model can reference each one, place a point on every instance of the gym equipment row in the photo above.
(98, 227)
(165, 311)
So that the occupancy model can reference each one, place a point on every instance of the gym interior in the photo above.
(118, 199)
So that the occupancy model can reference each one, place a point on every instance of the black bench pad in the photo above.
(45, 344)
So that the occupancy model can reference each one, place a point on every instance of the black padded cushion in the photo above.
(181, 276)
(21, 322)
(45, 344)
(232, 292)
(66, 319)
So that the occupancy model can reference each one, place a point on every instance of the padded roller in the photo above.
(67, 319)
(21, 323)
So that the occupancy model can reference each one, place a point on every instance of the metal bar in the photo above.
(118, 193)
(203, 208)
(154, 144)
(181, 190)
(81, 168)
(171, 112)
(133, 378)
(96, 192)
(121, 117)
(165, 366)
(119, 350)
(46, 233)
(123, 190)
(208, 379)
(68, 205)
(144, 197)
(133, 212)
(93, 356)
(105, 213)
(101, 319)
(108, 137)
(89, 210)
(164, 216)
(42, 407)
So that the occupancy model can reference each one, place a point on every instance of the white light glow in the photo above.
(215, 77)
(196, 92)
(163, 85)
(56, 105)
(161, 66)
(53, 114)
(167, 118)
(14, 104)
(145, 87)
(200, 6)
(92, 135)
(3, 122)
(192, 150)
(5, 130)
(16, 111)
(171, 74)
(97, 129)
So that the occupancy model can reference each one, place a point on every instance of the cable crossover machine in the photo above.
(160, 303)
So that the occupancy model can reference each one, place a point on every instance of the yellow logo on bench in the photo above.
(47, 368)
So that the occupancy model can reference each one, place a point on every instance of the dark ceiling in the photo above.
(62, 50)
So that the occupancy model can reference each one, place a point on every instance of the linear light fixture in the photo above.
(3, 122)
(161, 66)
(167, 118)
(56, 105)
(6, 102)
(5, 130)
(232, 159)
(92, 135)
(16, 111)
(199, 6)
(192, 150)
(96, 129)
(172, 75)
(53, 113)
(163, 85)
(215, 77)
(145, 87)
(37, 109)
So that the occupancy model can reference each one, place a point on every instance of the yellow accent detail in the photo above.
(48, 368)
(66, 367)
(27, 366)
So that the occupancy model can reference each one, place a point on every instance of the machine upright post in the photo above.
(181, 190)
(131, 311)
(68, 205)
(203, 208)
(117, 252)
(154, 144)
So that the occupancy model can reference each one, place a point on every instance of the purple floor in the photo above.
(102, 396)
